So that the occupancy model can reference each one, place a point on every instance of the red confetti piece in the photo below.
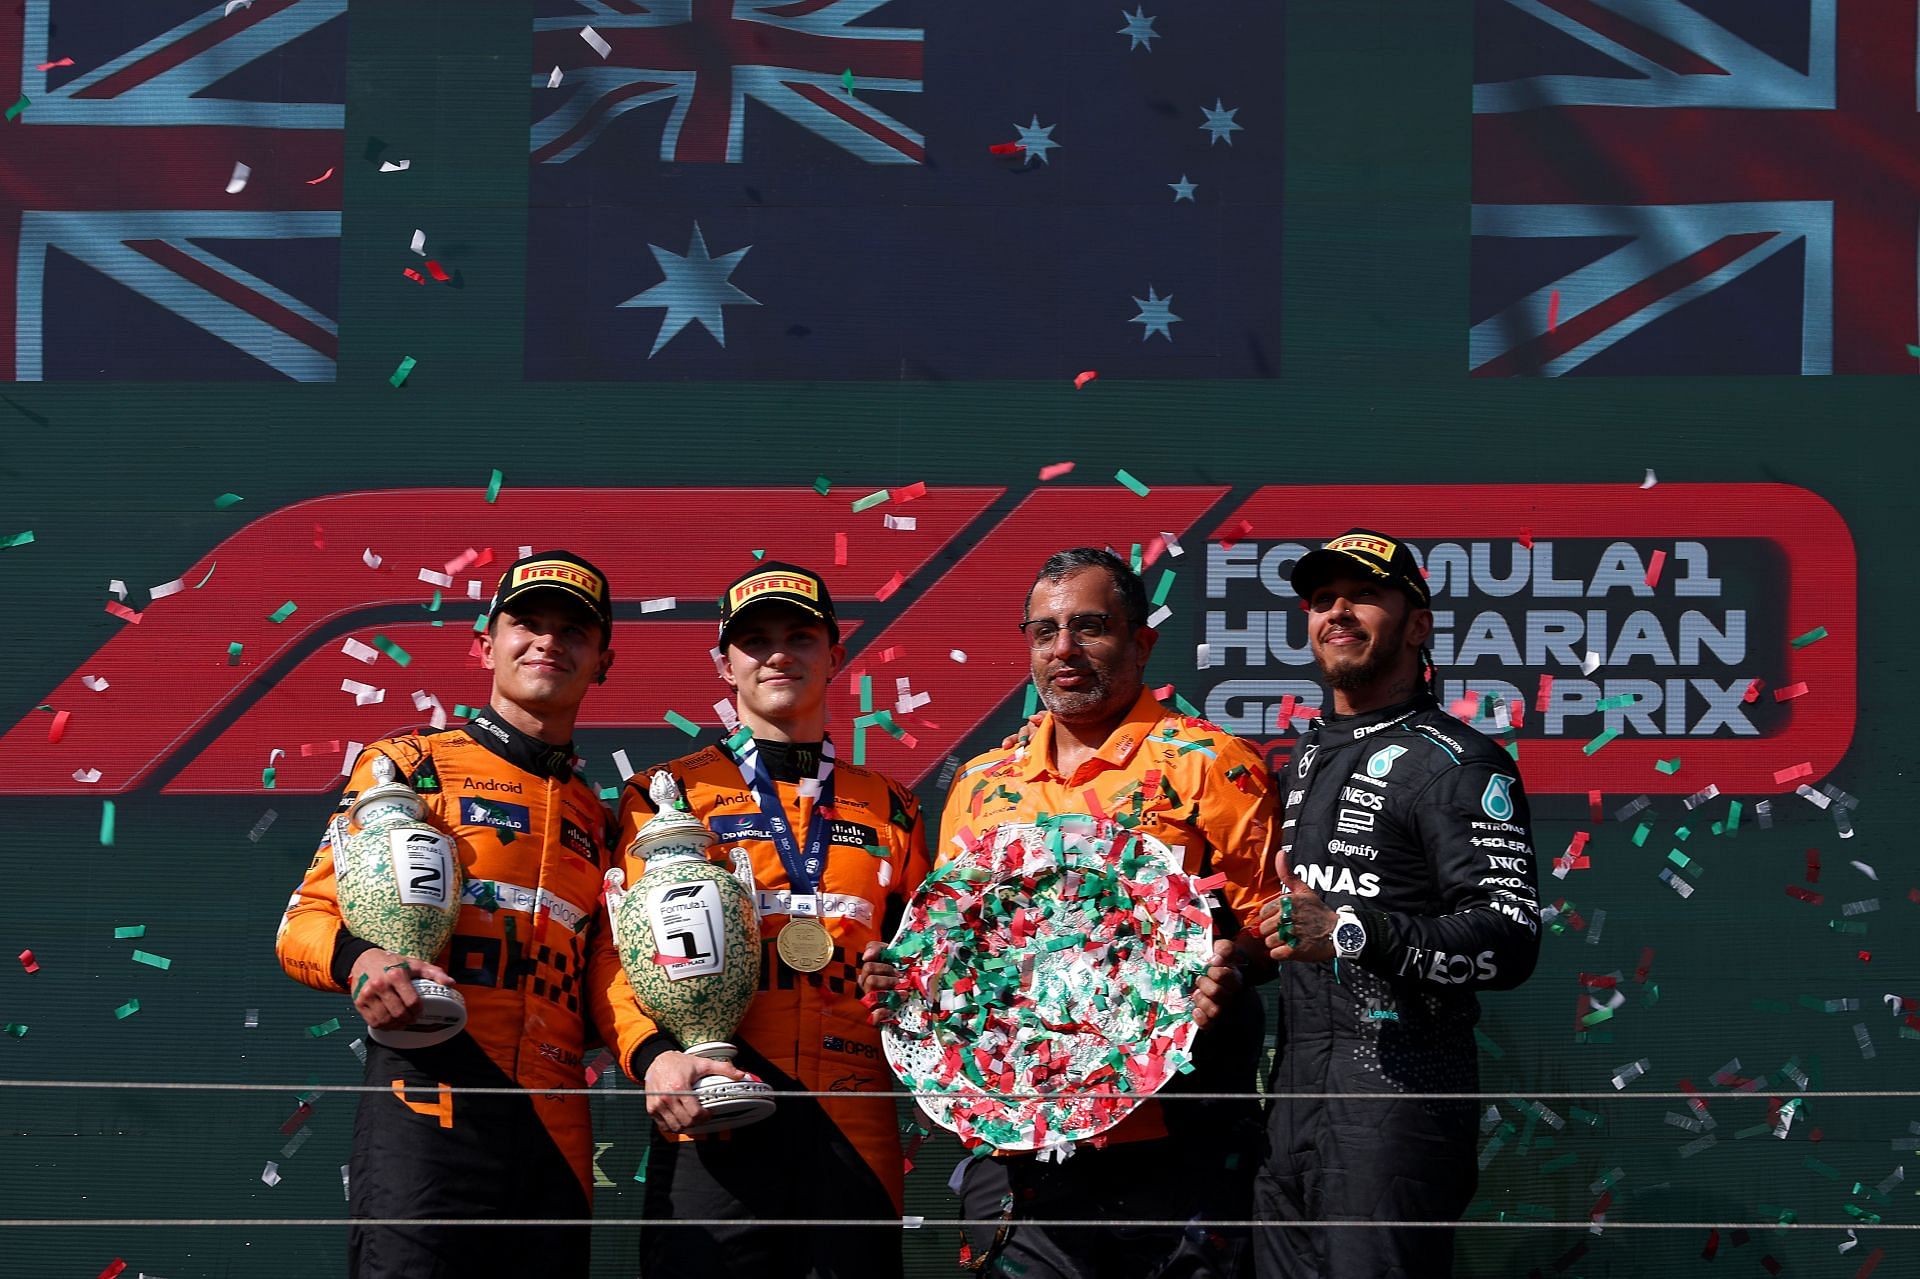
(114, 1268)
(1753, 691)
(1553, 310)
(1055, 470)
(916, 489)
(840, 550)
(28, 962)
(1786, 775)
(1226, 537)
(58, 729)
(1657, 562)
(1546, 691)
(1813, 865)
(314, 182)
(1866, 957)
(48, 66)
(1082, 379)
(1593, 805)
(1790, 692)
(1872, 1262)
(1772, 1266)
(1806, 895)
(1526, 538)
(413, 275)
(1646, 966)
(123, 612)
(319, 538)
(1713, 1246)
(437, 271)
(1093, 803)
(667, 961)
(1006, 148)
(891, 585)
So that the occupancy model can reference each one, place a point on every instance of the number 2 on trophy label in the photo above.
(423, 868)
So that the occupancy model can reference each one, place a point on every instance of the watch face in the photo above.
(1349, 938)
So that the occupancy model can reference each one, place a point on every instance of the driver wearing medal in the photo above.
(836, 850)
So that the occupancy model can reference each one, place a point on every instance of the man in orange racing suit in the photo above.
(1207, 796)
(836, 850)
(530, 954)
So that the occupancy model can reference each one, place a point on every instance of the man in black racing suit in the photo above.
(1406, 852)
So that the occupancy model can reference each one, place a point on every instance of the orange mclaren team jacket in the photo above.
(810, 1027)
(1211, 802)
(531, 951)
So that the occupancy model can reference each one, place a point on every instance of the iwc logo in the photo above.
(1382, 762)
(1495, 800)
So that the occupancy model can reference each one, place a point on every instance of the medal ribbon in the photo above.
(803, 867)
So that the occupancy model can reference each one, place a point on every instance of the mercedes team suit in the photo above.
(532, 957)
(1419, 825)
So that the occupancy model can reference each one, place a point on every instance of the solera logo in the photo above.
(177, 715)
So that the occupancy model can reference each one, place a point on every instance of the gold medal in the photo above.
(805, 945)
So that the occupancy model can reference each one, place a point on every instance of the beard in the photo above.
(1078, 702)
(1361, 674)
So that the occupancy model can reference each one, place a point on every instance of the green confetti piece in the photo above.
(1812, 636)
(18, 1029)
(1594, 746)
(282, 613)
(1653, 994)
(267, 776)
(14, 111)
(1030, 701)
(640, 1173)
(1165, 585)
(860, 744)
(1186, 707)
(885, 720)
(127, 1009)
(1126, 478)
(325, 1028)
(1679, 859)
(822, 485)
(392, 650)
(1618, 702)
(609, 792)
(435, 606)
(106, 823)
(1733, 816)
(152, 960)
(871, 500)
(741, 736)
(759, 555)
(233, 653)
(1134, 558)
(1587, 1117)
(1640, 834)
(462, 711)
(361, 984)
(493, 485)
(682, 723)
(17, 539)
(127, 931)
(480, 624)
(399, 377)
(1914, 351)
(866, 693)
(1563, 1161)
(1597, 1016)
(225, 500)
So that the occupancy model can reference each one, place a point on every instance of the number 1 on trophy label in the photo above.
(423, 868)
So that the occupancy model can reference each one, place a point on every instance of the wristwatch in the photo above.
(1349, 934)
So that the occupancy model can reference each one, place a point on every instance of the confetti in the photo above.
(236, 4)
(106, 823)
(238, 182)
(233, 652)
(152, 960)
(596, 41)
(662, 604)
(957, 655)
(122, 612)
(271, 1175)
(282, 613)
(1790, 692)
(1651, 479)
(399, 376)
(1655, 563)
(846, 79)
(1553, 311)
(1813, 636)
(16, 539)
(48, 66)
(1082, 379)
(1006, 148)
(888, 587)
(325, 1028)
(1055, 470)
(395, 166)
(1228, 536)
(1785, 775)
(18, 1029)
(553, 78)
(1126, 479)
(437, 271)
(870, 501)
(314, 182)
(360, 652)
(392, 650)
(58, 728)
(1589, 664)
(682, 723)
(15, 111)
(28, 962)
(86, 776)
(901, 523)
(127, 1009)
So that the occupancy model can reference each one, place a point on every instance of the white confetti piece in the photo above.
(432, 578)
(553, 78)
(660, 605)
(595, 40)
(165, 589)
(351, 758)
(273, 756)
(236, 4)
(395, 166)
(360, 652)
(419, 244)
(119, 588)
(625, 766)
(1173, 545)
(1160, 615)
(473, 588)
(363, 694)
(86, 776)
(252, 1019)
(272, 1174)
(425, 701)
(368, 558)
(1202, 656)
(260, 827)
(1590, 663)
(1812, 796)
(1866, 870)
(95, 683)
(958, 655)
(905, 523)
(238, 182)
(729, 717)
(1651, 479)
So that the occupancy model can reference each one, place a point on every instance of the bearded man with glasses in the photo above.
(1105, 745)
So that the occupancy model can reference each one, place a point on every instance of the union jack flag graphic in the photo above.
(1713, 186)
(123, 254)
(708, 57)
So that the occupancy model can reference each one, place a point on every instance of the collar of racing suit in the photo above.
(789, 761)
(1337, 729)
(522, 750)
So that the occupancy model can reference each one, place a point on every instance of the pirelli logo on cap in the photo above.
(754, 587)
(561, 572)
(1377, 546)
